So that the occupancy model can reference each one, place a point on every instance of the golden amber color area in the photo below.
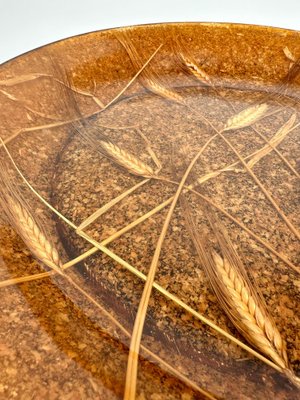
(168, 151)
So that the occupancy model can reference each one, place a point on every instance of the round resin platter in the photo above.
(149, 225)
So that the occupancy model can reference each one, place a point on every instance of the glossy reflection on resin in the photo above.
(149, 226)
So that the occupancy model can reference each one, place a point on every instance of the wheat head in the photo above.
(33, 236)
(246, 117)
(126, 160)
(20, 217)
(198, 72)
(248, 315)
(162, 91)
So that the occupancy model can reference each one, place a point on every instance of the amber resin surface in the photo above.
(149, 225)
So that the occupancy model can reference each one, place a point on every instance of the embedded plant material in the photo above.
(198, 72)
(127, 160)
(275, 141)
(241, 303)
(148, 76)
(238, 296)
(201, 170)
(24, 223)
(246, 117)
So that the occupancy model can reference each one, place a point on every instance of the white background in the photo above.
(27, 24)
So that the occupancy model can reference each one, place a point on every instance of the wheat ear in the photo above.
(20, 217)
(204, 78)
(241, 304)
(126, 160)
(33, 236)
(289, 55)
(246, 117)
(107, 147)
(239, 298)
(153, 84)
(198, 72)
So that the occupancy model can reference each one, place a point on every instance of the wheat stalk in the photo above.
(23, 104)
(91, 218)
(132, 365)
(126, 160)
(156, 358)
(228, 215)
(274, 141)
(102, 247)
(261, 186)
(154, 211)
(246, 117)
(22, 79)
(139, 274)
(45, 126)
(166, 96)
(285, 129)
(34, 236)
(25, 78)
(107, 147)
(112, 151)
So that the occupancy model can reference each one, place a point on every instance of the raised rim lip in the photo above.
(151, 24)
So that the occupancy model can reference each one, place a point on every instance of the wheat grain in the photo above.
(246, 117)
(126, 160)
(132, 365)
